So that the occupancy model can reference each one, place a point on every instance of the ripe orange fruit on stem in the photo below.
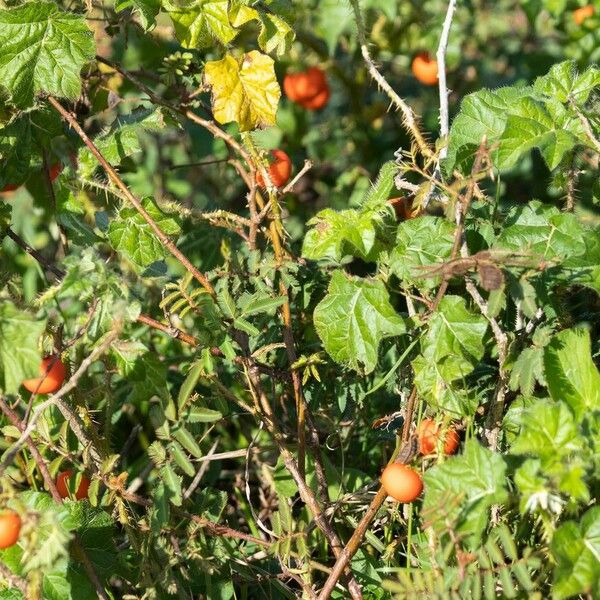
(425, 68)
(583, 13)
(52, 375)
(10, 527)
(429, 433)
(308, 88)
(279, 170)
(401, 482)
(62, 485)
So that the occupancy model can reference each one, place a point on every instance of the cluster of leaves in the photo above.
(485, 303)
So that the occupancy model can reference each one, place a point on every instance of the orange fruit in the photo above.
(52, 375)
(308, 88)
(401, 482)
(317, 102)
(425, 68)
(583, 13)
(279, 170)
(63, 489)
(429, 433)
(10, 527)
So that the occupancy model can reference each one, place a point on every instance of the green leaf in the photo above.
(283, 482)
(353, 318)
(275, 34)
(438, 392)
(527, 369)
(335, 234)
(563, 82)
(200, 22)
(246, 327)
(53, 526)
(454, 339)
(97, 534)
(21, 141)
(244, 91)
(260, 303)
(19, 346)
(130, 235)
(43, 49)
(332, 18)
(421, 242)
(187, 387)
(548, 432)
(147, 10)
(571, 373)
(186, 439)
(542, 231)
(183, 462)
(482, 114)
(377, 196)
(123, 138)
(159, 515)
(201, 414)
(467, 486)
(172, 483)
(576, 549)
(530, 125)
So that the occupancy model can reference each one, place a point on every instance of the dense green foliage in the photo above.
(243, 361)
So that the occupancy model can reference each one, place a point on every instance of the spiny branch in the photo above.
(136, 202)
(408, 117)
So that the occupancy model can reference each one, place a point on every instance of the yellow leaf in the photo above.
(245, 91)
(240, 14)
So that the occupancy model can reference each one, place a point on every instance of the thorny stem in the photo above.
(408, 117)
(288, 334)
(113, 175)
(443, 89)
(34, 253)
(462, 206)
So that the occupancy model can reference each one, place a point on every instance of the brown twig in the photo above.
(356, 539)
(34, 254)
(113, 175)
(172, 331)
(62, 236)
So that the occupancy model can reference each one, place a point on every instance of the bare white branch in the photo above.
(441, 62)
